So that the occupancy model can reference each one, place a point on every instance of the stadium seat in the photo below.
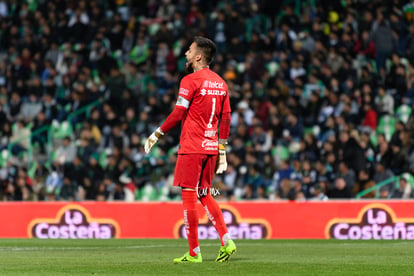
(403, 113)
(163, 193)
(374, 138)
(103, 160)
(32, 170)
(60, 130)
(138, 194)
(386, 126)
(4, 156)
(281, 152)
(149, 193)
(272, 68)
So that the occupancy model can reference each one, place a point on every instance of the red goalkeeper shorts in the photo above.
(194, 171)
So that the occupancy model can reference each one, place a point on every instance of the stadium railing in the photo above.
(392, 181)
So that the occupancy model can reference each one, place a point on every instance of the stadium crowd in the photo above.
(321, 95)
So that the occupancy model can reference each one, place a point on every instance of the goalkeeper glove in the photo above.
(153, 139)
(221, 165)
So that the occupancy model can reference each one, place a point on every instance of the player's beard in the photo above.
(189, 67)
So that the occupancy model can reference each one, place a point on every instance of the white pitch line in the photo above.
(38, 248)
(48, 248)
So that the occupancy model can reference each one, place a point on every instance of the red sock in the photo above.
(215, 215)
(191, 219)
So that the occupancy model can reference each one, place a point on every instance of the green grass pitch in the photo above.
(154, 257)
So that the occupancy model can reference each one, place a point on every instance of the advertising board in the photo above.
(344, 220)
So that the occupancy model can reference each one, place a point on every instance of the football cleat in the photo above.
(187, 258)
(226, 251)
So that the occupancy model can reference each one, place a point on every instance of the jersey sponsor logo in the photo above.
(210, 92)
(210, 133)
(374, 222)
(73, 222)
(209, 145)
(183, 91)
(213, 84)
(238, 227)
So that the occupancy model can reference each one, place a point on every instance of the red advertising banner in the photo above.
(346, 220)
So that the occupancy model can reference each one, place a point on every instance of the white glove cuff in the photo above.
(160, 131)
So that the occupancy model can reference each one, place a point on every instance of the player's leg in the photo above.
(215, 215)
(213, 210)
(187, 175)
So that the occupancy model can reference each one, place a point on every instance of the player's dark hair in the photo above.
(207, 46)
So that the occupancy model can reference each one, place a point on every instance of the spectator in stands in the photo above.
(53, 183)
(66, 153)
(404, 190)
(340, 189)
(364, 182)
(384, 39)
(382, 173)
(384, 193)
(68, 190)
(318, 194)
(20, 137)
(41, 138)
(399, 161)
(348, 175)
(384, 102)
(351, 152)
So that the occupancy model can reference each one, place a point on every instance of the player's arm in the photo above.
(176, 115)
(179, 112)
(224, 130)
(172, 120)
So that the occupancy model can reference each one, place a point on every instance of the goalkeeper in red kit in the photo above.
(203, 103)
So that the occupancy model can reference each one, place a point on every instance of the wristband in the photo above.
(222, 141)
(159, 133)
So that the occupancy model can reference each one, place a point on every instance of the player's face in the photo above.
(191, 56)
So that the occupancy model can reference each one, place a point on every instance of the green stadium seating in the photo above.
(403, 113)
(386, 126)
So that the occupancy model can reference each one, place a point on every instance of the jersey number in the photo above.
(213, 111)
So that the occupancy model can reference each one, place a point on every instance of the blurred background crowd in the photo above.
(321, 94)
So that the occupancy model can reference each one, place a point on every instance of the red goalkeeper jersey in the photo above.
(205, 96)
